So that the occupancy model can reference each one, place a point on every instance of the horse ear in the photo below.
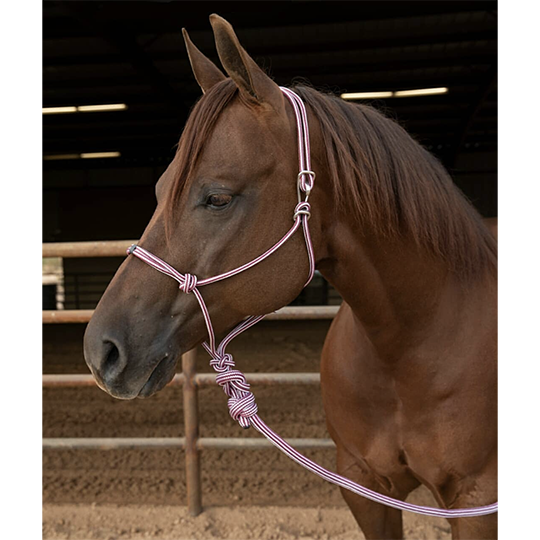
(206, 72)
(252, 81)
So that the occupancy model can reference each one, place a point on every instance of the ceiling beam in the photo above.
(125, 42)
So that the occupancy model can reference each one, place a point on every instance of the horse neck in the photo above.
(397, 289)
(400, 293)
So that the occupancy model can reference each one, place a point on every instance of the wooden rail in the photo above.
(65, 250)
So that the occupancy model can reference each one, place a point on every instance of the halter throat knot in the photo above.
(190, 283)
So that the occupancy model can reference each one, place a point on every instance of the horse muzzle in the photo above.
(119, 369)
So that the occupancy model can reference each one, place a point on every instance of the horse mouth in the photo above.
(160, 377)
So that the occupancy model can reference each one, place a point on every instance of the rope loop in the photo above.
(306, 180)
(189, 283)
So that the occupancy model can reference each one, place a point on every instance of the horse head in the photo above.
(228, 195)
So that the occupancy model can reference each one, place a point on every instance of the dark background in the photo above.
(133, 53)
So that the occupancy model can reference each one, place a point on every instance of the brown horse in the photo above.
(409, 366)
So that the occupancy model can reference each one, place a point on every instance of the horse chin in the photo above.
(159, 378)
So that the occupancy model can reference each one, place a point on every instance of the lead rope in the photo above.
(241, 402)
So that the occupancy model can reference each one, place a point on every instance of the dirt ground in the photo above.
(132, 494)
(110, 522)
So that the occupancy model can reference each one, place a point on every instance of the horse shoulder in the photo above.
(361, 405)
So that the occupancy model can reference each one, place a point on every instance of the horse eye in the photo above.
(219, 200)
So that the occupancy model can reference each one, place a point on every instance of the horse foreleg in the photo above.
(474, 491)
(376, 520)
(473, 528)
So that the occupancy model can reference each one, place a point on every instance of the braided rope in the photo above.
(241, 402)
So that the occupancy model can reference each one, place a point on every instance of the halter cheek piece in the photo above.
(241, 402)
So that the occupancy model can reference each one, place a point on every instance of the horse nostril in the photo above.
(109, 367)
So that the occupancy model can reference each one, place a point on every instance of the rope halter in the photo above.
(242, 406)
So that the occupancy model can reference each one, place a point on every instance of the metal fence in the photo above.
(189, 380)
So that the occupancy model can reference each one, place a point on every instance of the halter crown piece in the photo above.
(241, 402)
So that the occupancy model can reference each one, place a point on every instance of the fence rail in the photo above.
(283, 314)
(199, 379)
(172, 443)
(65, 250)
(189, 380)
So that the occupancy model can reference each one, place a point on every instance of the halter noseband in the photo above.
(242, 406)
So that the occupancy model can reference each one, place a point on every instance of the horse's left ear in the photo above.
(252, 81)
(206, 72)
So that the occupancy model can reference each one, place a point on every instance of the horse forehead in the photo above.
(242, 132)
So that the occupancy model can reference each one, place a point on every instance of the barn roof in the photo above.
(133, 53)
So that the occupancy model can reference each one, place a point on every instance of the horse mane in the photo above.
(387, 179)
(379, 174)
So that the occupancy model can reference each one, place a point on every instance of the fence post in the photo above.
(191, 429)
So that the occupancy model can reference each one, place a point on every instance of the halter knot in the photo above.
(243, 408)
(302, 209)
(189, 283)
(232, 381)
(241, 401)
(223, 363)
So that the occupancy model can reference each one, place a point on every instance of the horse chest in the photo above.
(363, 413)
(364, 408)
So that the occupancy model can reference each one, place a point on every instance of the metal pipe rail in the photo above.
(171, 443)
(289, 313)
(199, 379)
(188, 379)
